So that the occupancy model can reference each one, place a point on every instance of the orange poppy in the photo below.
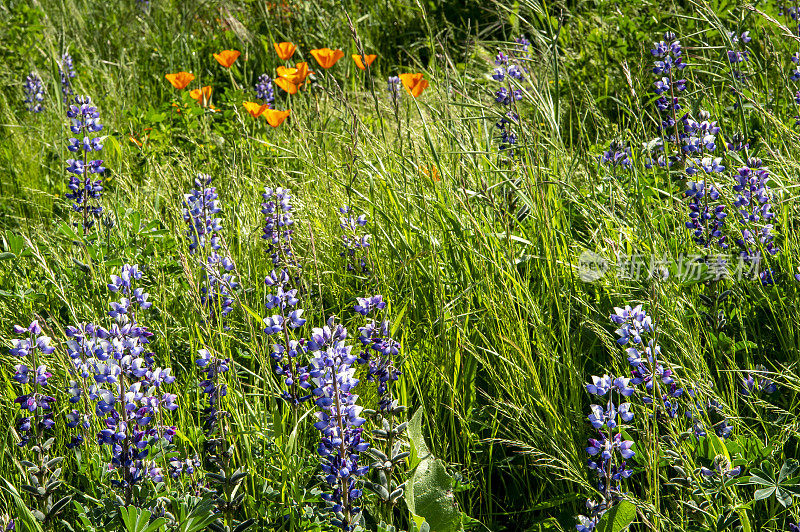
(255, 109)
(327, 57)
(295, 75)
(286, 85)
(414, 83)
(180, 80)
(226, 58)
(431, 171)
(368, 59)
(285, 50)
(203, 96)
(276, 118)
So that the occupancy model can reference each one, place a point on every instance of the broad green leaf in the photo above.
(617, 518)
(429, 494)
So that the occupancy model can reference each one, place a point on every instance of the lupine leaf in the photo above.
(617, 518)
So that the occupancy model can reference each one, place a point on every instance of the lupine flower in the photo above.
(278, 225)
(355, 244)
(327, 57)
(216, 293)
(213, 367)
(83, 189)
(740, 54)
(753, 200)
(264, 90)
(758, 383)
(506, 69)
(287, 352)
(340, 424)
(668, 64)
(608, 421)
(35, 405)
(706, 219)
(617, 157)
(379, 352)
(393, 86)
(200, 206)
(34, 93)
(126, 388)
(67, 72)
(367, 305)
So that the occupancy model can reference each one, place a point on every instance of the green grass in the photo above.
(479, 266)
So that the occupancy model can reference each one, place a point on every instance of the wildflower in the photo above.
(753, 200)
(67, 72)
(200, 206)
(327, 57)
(34, 93)
(275, 118)
(203, 96)
(85, 122)
(278, 211)
(295, 75)
(618, 157)
(668, 64)
(286, 85)
(740, 54)
(365, 61)
(393, 85)
(341, 426)
(414, 83)
(355, 245)
(226, 58)
(255, 109)
(285, 50)
(706, 219)
(128, 385)
(35, 404)
(213, 367)
(264, 90)
(180, 80)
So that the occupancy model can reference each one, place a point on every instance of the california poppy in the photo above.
(414, 83)
(368, 59)
(327, 57)
(295, 75)
(276, 118)
(226, 58)
(286, 85)
(285, 50)
(180, 80)
(203, 96)
(255, 109)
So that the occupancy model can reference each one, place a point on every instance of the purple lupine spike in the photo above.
(341, 428)
(85, 191)
(34, 93)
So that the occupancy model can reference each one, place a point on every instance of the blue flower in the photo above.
(265, 90)
(34, 93)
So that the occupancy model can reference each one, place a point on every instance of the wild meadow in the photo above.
(399, 266)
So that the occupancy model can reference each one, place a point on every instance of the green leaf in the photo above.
(429, 494)
(764, 493)
(617, 518)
